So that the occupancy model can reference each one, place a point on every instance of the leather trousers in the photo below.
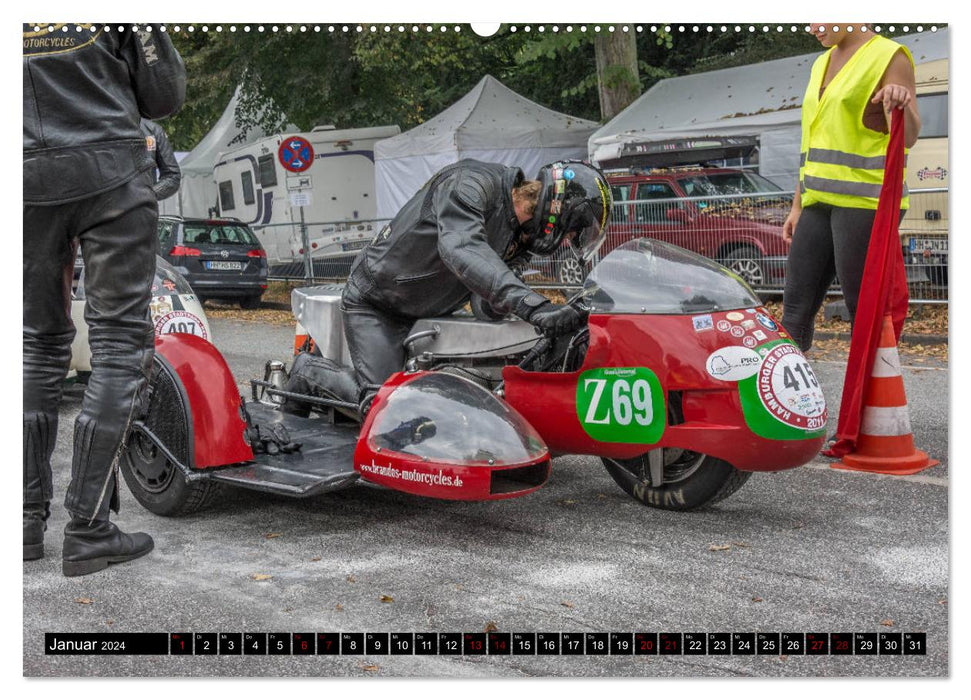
(375, 339)
(117, 233)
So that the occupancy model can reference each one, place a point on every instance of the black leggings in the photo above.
(828, 242)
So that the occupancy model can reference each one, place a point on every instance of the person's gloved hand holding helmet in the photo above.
(555, 319)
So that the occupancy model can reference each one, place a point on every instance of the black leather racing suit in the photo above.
(87, 177)
(159, 148)
(451, 240)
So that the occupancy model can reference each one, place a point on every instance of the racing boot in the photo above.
(321, 378)
(35, 523)
(91, 545)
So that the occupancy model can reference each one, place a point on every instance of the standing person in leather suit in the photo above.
(453, 240)
(88, 178)
(159, 148)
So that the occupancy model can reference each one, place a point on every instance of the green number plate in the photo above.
(621, 404)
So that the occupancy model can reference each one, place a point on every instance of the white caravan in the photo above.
(333, 199)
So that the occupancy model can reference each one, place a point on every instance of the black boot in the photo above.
(92, 546)
(35, 523)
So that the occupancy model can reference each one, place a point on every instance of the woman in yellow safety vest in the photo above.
(845, 130)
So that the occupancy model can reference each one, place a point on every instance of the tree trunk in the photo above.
(617, 77)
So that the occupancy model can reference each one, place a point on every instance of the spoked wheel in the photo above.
(746, 262)
(155, 480)
(675, 479)
(569, 271)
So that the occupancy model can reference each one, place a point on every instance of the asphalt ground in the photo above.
(806, 550)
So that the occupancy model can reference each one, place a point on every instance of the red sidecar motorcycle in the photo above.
(681, 382)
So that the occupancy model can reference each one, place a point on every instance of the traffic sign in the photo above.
(296, 154)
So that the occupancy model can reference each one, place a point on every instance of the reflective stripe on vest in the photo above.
(841, 161)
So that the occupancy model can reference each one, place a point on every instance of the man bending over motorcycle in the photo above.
(454, 239)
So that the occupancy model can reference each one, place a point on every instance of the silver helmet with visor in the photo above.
(574, 204)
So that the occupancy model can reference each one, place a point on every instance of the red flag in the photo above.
(884, 291)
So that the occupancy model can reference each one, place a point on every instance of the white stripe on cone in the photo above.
(885, 421)
(886, 363)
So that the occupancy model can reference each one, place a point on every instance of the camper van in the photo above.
(924, 230)
(327, 208)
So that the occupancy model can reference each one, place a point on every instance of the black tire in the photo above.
(691, 480)
(746, 262)
(570, 271)
(250, 302)
(155, 481)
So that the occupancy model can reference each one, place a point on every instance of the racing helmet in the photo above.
(574, 202)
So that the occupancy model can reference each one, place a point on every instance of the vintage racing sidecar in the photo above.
(681, 382)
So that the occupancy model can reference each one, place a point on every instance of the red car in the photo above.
(732, 216)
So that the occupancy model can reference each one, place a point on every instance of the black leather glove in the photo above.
(557, 319)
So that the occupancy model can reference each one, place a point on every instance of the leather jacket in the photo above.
(93, 144)
(452, 239)
(169, 174)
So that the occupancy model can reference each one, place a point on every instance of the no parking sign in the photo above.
(296, 154)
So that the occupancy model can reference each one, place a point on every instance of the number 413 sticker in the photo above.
(621, 404)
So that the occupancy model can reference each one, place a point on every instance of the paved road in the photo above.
(809, 550)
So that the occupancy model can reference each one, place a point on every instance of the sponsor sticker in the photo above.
(724, 326)
(749, 342)
(733, 363)
(737, 331)
(160, 306)
(416, 476)
(748, 324)
(759, 335)
(734, 316)
(766, 322)
(621, 404)
(703, 323)
(181, 322)
(569, 174)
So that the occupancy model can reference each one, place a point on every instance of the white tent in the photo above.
(761, 100)
(490, 123)
(197, 193)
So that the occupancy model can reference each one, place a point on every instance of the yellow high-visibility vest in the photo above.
(841, 160)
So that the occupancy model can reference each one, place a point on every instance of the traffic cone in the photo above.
(885, 444)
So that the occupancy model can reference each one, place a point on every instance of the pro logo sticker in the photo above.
(733, 363)
(621, 404)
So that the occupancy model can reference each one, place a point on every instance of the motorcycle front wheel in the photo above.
(690, 480)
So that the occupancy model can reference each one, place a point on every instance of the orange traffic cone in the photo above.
(885, 444)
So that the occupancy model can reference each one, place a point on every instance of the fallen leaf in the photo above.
(273, 535)
(942, 601)
(491, 627)
(783, 657)
(566, 604)
(798, 526)
(370, 668)
(459, 587)
(350, 579)
(719, 547)
(756, 599)
(886, 623)
(315, 559)
(83, 601)
(601, 495)
(109, 622)
(338, 607)
(742, 544)
(568, 502)
(261, 577)
(387, 599)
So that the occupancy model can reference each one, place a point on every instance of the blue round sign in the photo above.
(296, 154)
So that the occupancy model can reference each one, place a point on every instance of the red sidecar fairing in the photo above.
(435, 434)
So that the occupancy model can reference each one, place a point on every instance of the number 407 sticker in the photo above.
(621, 404)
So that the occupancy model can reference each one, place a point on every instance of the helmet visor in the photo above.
(585, 231)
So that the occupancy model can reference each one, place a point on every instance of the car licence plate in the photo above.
(223, 265)
(935, 245)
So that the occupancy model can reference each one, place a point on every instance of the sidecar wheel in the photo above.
(691, 480)
(154, 480)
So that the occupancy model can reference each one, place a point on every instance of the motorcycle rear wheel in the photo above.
(691, 480)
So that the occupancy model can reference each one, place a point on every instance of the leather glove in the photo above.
(557, 319)
(271, 438)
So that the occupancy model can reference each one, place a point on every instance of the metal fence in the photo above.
(742, 232)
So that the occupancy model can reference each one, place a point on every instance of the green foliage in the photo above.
(370, 78)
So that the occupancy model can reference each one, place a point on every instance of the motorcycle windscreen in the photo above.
(443, 436)
(645, 276)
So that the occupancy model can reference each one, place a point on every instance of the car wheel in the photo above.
(250, 302)
(569, 271)
(689, 480)
(746, 262)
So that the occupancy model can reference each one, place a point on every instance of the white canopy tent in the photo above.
(490, 123)
(761, 100)
(197, 193)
